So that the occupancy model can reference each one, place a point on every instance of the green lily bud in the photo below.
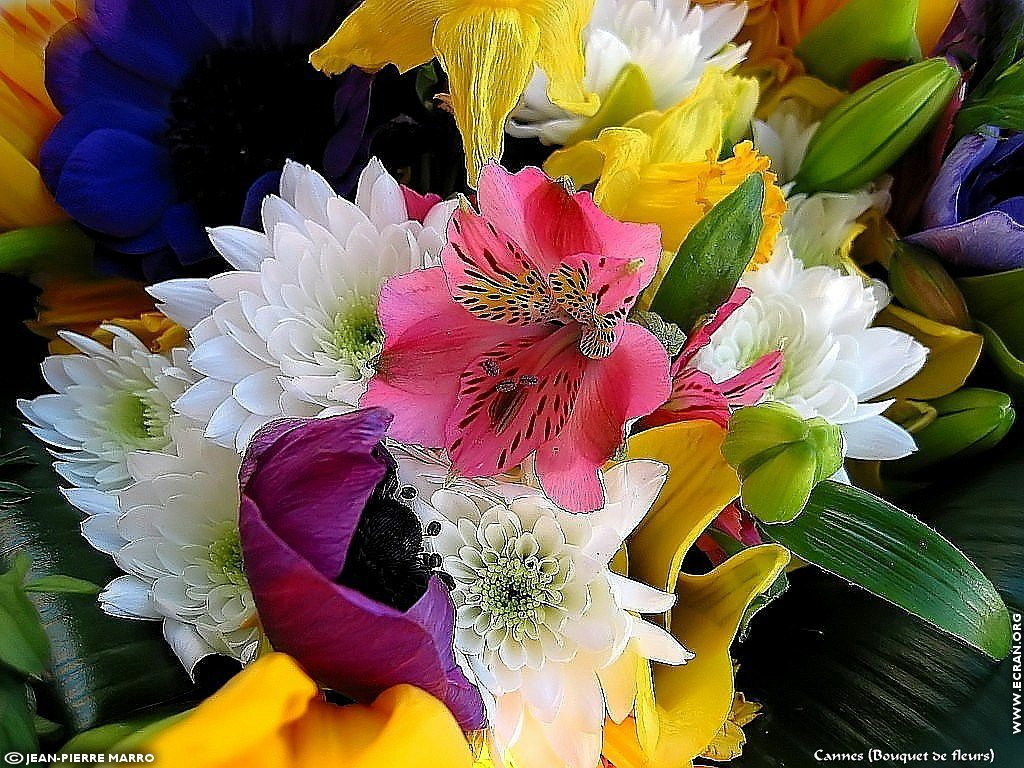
(780, 457)
(871, 129)
(968, 422)
(924, 286)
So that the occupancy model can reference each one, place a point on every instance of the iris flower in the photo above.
(487, 48)
(270, 715)
(335, 561)
(26, 113)
(663, 167)
(519, 344)
(173, 111)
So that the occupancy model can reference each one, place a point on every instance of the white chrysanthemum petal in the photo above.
(539, 614)
(294, 331)
(672, 42)
(834, 362)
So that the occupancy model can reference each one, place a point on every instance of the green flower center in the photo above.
(139, 418)
(225, 555)
(356, 336)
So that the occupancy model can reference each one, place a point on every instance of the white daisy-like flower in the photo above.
(293, 331)
(836, 365)
(822, 226)
(671, 41)
(106, 403)
(541, 619)
(174, 532)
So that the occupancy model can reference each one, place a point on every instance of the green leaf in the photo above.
(881, 548)
(17, 723)
(713, 257)
(780, 457)
(859, 32)
(103, 668)
(64, 585)
(837, 668)
(41, 248)
(23, 644)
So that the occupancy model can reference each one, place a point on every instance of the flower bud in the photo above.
(871, 129)
(780, 457)
(924, 286)
(968, 422)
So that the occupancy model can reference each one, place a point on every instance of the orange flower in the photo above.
(26, 113)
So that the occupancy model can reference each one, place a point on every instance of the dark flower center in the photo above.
(386, 560)
(240, 114)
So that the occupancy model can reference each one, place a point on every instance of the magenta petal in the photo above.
(700, 337)
(694, 397)
(748, 386)
(417, 205)
(304, 487)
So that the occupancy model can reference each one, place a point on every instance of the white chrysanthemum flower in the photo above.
(671, 41)
(106, 403)
(821, 227)
(174, 532)
(541, 619)
(835, 363)
(294, 330)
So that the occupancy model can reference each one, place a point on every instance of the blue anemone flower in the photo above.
(178, 114)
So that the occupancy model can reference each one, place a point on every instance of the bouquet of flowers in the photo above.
(451, 382)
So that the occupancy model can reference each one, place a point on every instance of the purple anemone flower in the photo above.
(974, 215)
(174, 109)
(335, 561)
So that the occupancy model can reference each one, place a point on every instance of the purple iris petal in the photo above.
(116, 182)
(944, 203)
(992, 242)
(228, 22)
(305, 485)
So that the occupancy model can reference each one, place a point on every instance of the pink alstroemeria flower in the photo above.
(519, 344)
(696, 396)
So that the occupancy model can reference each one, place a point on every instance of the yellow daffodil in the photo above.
(271, 715)
(488, 48)
(680, 711)
(663, 167)
(26, 113)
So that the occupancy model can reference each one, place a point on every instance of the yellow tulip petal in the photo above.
(952, 354)
(488, 53)
(817, 95)
(695, 699)
(560, 54)
(398, 730)
(380, 32)
(241, 725)
(700, 483)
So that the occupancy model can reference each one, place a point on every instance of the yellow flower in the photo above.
(663, 167)
(489, 49)
(271, 715)
(681, 710)
(26, 113)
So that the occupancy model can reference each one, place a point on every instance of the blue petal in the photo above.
(88, 117)
(116, 182)
(267, 184)
(301, 22)
(230, 21)
(76, 71)
(160, 42)
(993, 242)
(186, 234)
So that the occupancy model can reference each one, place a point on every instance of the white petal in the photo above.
(877, 438)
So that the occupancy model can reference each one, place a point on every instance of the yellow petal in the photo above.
(380, 32)
(952, 354)
(243, 723)
(24, 199)
(695, 699)
(488, 53)
(560, 54)
(629, 96)
(700, 484)
(933, 16)
(817, 95)
(398, 730)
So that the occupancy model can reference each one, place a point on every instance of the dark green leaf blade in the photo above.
(17, 723)
(713, 256)
(881, 548)
(62, 585)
